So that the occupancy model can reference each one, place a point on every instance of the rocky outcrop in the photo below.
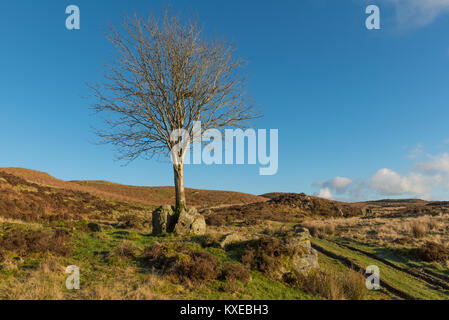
(314, 206)
(188, 221)
(305, 257)
(278, 256)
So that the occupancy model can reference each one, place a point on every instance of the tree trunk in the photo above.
(179, 186)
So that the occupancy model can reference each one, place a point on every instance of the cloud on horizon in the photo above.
(425, 181)
(337, 184)
(325, 193)
(439, 164)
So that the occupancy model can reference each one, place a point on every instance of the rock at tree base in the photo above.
(190, 222)
(163, 219)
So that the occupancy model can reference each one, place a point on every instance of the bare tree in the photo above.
(166, 74)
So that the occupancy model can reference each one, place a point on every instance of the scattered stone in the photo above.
(230, 239)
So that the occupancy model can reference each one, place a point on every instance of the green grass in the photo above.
(104, 274)
(400, 280)
(333, 265)
(258, 288)
(400, 260)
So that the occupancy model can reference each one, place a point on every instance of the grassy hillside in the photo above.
(104, 228)
(47, 224)
(411, 250)
(115, 263)
(29, 201)
(166, 195)
(143, 195)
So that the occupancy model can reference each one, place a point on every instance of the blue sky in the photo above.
(361, 113)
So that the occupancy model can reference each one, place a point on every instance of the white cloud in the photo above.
(427, 180)
(337, 184)
(419, 12)
(325, 193)
(388, 182)
(437, 164)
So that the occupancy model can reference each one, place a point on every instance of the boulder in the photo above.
(190, 222)
(300, 233)
(163, 219)
(305, 257)
(231, 238)
(305, 262)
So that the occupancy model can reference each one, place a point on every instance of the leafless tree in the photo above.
(166, 74)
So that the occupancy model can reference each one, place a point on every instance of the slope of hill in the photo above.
(404, 207)
(166, 195)
(143, 195)
(29, 201)
(288, 207)
(322, 207)
(56, 222)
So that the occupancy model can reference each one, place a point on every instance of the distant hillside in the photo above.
(405, 207)
(166, 195)
(144, 195)
(288, 207)
(396, 202)
(323, 207)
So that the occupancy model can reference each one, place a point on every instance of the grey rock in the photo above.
(230, 239)
(305, 257)
(305, 262)
(163, 219)
(301, 233)
(190, 222)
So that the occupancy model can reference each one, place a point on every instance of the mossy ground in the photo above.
(107, 273)
(414, 286)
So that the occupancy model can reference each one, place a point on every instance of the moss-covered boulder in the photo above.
(304, 257)
(290, 252)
